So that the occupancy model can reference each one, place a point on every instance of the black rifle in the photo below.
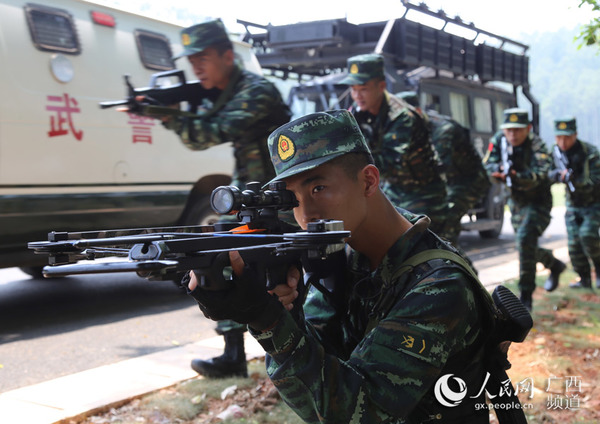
(506, 153)
(264, 242)
(157, 97)
(562, 163)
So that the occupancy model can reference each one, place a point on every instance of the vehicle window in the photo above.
(431, 102)
(459, 109)
(155, 50)
(483, 114)
(52, 29)
(499, 112)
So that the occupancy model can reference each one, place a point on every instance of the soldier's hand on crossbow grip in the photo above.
(288, 292)
(246, 302)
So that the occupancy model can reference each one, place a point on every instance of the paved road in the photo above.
(51, 328)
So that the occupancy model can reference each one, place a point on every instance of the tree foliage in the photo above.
(590, 33)
(565, 81)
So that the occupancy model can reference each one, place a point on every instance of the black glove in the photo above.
(246, 302)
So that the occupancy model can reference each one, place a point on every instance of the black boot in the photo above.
(232, 363)
(555, 270)
(527, 300)
(583, 283)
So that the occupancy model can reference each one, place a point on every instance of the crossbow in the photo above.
(264, 241)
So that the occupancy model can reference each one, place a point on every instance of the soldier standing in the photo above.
(461, 164)
(525, 172)
(399, 140)
(245, 110)
(577, 164)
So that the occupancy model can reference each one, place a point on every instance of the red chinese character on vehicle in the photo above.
(63, 116)
(142, 133)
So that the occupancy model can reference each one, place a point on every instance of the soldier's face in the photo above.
(368, 96)
(211, 68)
(327, 192)
(565, 142)
(516, 136)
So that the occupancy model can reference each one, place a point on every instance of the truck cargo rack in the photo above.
(320, 48)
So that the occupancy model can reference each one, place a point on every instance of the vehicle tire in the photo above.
(494, 210)
(200, 212)
(33, 271)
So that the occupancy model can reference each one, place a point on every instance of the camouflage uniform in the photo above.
(338, 364)
(400, 143)
(582, 216)
(244, 113)
(462, 165)
(530, 200)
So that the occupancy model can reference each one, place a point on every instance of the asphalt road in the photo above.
(50, 328)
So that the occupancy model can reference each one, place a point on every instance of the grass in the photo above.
(563, 345)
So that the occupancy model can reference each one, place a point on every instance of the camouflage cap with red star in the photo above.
(515, 118)
(312, 140)
(565, 126)
(363, 68)
(200, 36)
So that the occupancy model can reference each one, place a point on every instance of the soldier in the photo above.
(399, 141)
(375, 357)
(577, 164)
(525, 172)
(245, 110)
(462, 165)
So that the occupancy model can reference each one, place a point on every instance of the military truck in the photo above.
(66, 164)
(454, 74)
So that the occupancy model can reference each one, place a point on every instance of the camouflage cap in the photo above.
(410, 97)
(515, 118)
(198, 37)
(565, 126)
(312, 140)
(363, 68)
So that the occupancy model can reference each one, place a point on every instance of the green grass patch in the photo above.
(564, 342)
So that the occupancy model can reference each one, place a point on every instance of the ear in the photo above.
(370, 175)
(229, 57)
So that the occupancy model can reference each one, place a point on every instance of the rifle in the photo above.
(506, 153)
(157, 97)
(262, 239)
(562, 163)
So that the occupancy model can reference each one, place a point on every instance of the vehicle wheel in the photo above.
(494, 210)
(33, 271)
(200, 212)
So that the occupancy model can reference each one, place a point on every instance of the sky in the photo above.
(509, 18)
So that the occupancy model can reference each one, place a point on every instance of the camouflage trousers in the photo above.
(459, 202)
(584, 242)
(529, 222)
(228, 325)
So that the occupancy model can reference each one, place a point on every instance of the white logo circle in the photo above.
(445, 395)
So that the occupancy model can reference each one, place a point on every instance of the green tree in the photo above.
(590, 33)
